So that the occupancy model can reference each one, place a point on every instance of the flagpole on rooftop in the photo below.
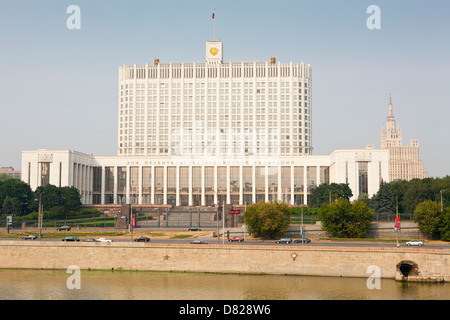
(214, 18)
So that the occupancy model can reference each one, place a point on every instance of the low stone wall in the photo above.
(427, 264)
(377, 230)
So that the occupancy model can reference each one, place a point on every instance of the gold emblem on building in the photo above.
(214, 51)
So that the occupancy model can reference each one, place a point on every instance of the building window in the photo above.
(45, 173)
(363, 176)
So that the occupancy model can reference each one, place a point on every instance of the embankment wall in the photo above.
(430, 264)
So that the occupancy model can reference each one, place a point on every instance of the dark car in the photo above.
(238, 239)
(198, 242)
(302, 240)
(194, 229)
(29, 237)
(284, 240)
(63, 228)
(142, 239)
(90, 240)
(70, 239)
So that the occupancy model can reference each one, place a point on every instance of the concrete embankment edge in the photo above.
(429, 264)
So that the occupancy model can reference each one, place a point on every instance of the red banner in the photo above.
(397, 222)
(235, 211)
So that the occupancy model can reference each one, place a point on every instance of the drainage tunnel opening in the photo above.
(408, 268)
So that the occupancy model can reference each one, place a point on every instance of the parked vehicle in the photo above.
(238, 239)
(302, 240)
(63, 228)
(70, 239)
(29, 237)
(194, 229)
(414, 243)
(142, 239)
(103, 240)
(198, 242)
(90, 240)
(284, 240)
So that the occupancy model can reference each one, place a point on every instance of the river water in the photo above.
(128, 285)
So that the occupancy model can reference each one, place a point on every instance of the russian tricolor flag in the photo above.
(213, 15)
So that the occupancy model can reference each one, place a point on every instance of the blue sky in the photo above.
(58, 87)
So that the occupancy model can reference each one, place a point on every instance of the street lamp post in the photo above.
(40, 216)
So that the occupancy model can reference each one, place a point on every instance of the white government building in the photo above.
(194, 134)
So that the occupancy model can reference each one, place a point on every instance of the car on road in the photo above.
(29, 237)
(90, 240)
(284, 240)
(142, 239)
(238, 239)
(194, 229)
(103, 240)
(70, 239)
(63, 228)
(414, 243)
(198, 242)
(302, 240)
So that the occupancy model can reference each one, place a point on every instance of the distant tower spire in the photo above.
(391, 114)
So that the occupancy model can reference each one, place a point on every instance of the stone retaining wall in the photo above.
(428, 264)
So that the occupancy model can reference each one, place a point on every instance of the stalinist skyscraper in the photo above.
(404, 162)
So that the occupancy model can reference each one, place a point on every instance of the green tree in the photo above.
(267, 220)
(50, 197)
(383, 201)
(57, 200)
(71, 199)
(343, 219)
(326, 192)
(7, 207)
(428, 215)
(18, 192)
(444, 227)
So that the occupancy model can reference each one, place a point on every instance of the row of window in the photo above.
(214, 84)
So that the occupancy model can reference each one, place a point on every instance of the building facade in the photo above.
(196, 134)
(10, 172)
(215, 108)
(182, 181)
(404, 161)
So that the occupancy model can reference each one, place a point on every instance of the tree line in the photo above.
(427, 199)
(17, 198)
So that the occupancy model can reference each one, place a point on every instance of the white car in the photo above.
(103, 240)
(414, 243)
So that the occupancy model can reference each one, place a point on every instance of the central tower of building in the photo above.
(404, 162)
(215, 108)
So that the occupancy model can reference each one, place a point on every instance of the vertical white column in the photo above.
(116, 176)
(190, 185)
(305, 185)
(280, 190)
(228, 184)
(165, 184)
(253, 183)
(292, 186)
(216, 198)
(203, 200)
(177, 174)
(91, 184)
(152, 196)
(127, 186)
(140, 177)
(102, 192)
(241, 189)
(266, 182)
